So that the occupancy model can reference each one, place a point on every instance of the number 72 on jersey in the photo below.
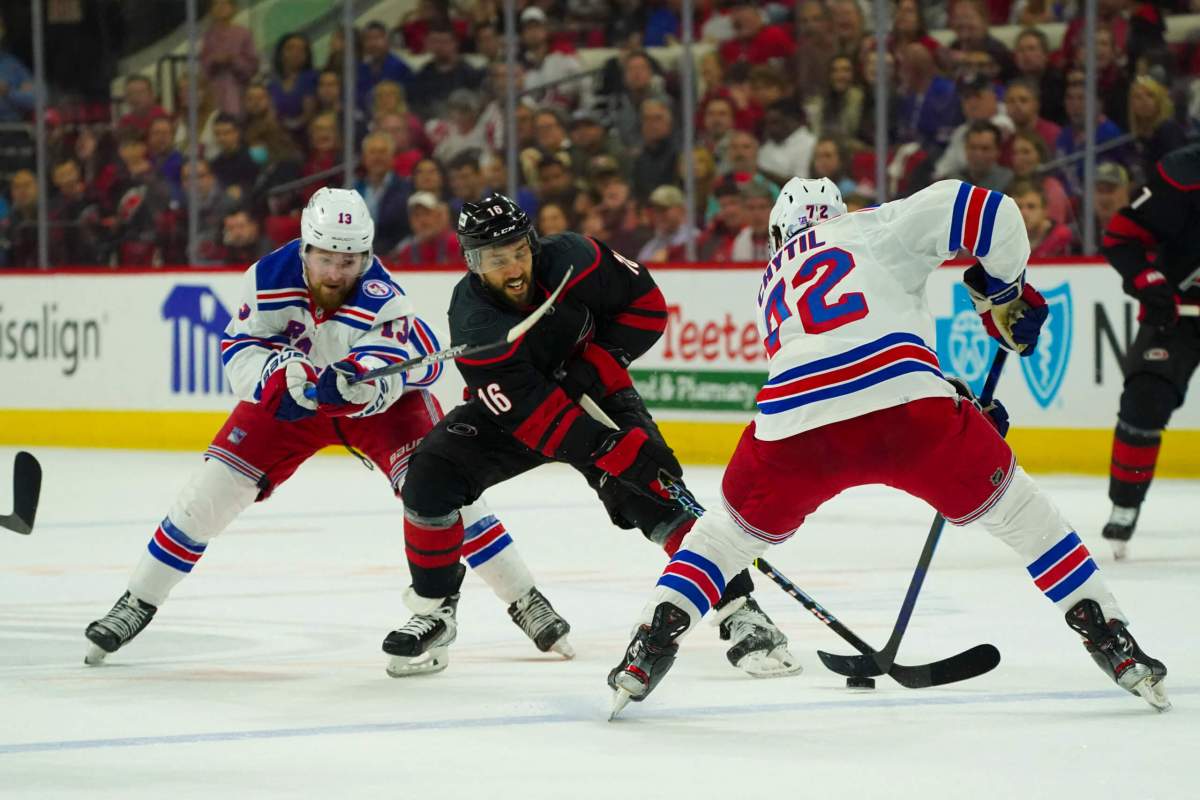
(818, 275)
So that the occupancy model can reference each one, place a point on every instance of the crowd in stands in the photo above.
(783, 90)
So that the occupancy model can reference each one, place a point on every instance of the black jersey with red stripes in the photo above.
(610, 300)
(1160, 225)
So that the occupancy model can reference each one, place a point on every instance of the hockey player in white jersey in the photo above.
(312, 311)
(855, 396)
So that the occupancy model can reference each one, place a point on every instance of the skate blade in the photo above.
(1153, 693)
(779, 663)
(428, 663)
(563, 648)
(621, 698)
(95, 655)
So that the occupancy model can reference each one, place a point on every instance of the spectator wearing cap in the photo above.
(1112, 192)
(1073, 136)
(982, 163)
(754, 41)
(716, 241)
(1047, 238)
(838, 110)
(1031, 54)
(1028, 153)
(378, 62)
(654, 164)
(385, 194)
(432, 240)
(591, 140)
(228, 57)
(979, 104)
(232, 164)
(788, 149)
(1023, 105)
(969, 21)
(544, 67)
(443, 73)
(639, 82)
(928, 107)
(1152, 122)
(139, 100)
(463, 129)
(672, 228)
(16, 104)
(752, 242)
(293, 84)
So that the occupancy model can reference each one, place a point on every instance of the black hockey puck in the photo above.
(860, 683)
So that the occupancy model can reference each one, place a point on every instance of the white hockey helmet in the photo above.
(338, 220)
(803, 202)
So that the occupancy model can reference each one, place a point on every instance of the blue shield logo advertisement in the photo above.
(198, 321)
(1046, 368)
(964, 348)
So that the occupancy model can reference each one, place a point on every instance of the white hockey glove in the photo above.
(1012, 313)
(285, 377)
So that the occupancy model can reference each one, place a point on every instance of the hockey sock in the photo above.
(1056, 559)
(491, 553)
(1134, 455)
(212, 498)
(433, 547)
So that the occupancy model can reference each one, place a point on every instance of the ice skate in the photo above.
(1119, 529)
(420, 646)
(533, 614)
(648, 657)
(759, 647)
(1114, 650)
(108, 634)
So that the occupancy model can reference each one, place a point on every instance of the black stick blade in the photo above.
(27, 489)
(968, 664)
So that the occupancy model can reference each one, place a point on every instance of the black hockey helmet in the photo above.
(494, 220)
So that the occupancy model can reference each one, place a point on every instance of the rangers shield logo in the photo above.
(1046, 368)
(964, 348)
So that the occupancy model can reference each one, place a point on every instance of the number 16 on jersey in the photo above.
(822, 272)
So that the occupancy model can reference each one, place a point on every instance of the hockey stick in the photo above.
(1189, 311)
(27, 489)
(878, 663)
(514, 333)
(959, 667)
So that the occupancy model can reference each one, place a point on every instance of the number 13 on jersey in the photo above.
(822, 271)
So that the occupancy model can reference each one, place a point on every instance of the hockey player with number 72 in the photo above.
(855, 396)
(312, 310)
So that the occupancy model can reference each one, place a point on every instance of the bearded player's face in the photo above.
(507, 269)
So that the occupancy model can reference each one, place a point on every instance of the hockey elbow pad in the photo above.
(1012, 313)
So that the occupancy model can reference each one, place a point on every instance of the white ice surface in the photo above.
(262, 676)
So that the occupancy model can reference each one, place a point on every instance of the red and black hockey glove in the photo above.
(285, 377)
(594, 371)
(1160, 305)
(639, 462)
(1013, 314)
(338, 397)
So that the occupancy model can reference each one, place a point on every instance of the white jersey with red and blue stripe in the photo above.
(842, 309)
(375, 327)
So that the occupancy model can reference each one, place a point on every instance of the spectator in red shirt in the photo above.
(407, 156)
(754, 41)
(324, 151)
(139, 99)
(1047, 238)
(433, 240)
(1028, 153)
(1023, 104)
(716, 240)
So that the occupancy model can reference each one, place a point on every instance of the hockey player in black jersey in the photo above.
(523, 411)
(1153, 244)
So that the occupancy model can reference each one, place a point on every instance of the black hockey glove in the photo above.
(1160, 306)
(639, 462)
(995, 412)
(594, 372)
